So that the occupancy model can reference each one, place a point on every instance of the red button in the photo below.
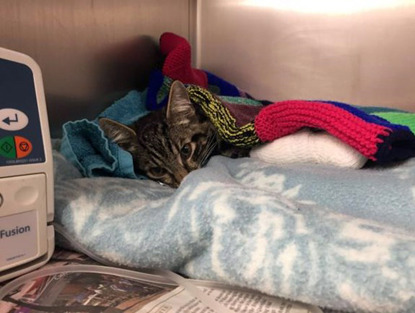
(23, 146)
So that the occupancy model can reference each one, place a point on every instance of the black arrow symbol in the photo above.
(8, 120)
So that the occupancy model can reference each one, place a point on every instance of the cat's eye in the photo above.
(186, 150)
(157, 171)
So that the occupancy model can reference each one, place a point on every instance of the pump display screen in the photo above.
(20, 130)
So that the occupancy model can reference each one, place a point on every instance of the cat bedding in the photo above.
(375, 138)
(335, 237)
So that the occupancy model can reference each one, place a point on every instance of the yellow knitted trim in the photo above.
(222, 119)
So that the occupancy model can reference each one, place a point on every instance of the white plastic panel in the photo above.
(23, 224)
(360, 52)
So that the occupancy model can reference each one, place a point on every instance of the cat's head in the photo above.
(167, 144)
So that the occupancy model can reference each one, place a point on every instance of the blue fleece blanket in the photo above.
(333, 237)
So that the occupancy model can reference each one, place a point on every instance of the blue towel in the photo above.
(85, 145)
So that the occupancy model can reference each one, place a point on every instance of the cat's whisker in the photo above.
(210, 147)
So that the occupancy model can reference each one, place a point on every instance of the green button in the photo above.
(7, 147)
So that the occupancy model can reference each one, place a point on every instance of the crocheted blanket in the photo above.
(381, 138)
(374, 137)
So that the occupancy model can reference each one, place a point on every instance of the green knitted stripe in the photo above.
(164, 89)
(221, 118)
(240, 100)
(402, 118)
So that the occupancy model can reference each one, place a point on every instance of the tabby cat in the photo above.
(169, 143)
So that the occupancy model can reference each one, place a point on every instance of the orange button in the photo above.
(23, 146)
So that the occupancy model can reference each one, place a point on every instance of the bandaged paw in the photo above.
(306, 146)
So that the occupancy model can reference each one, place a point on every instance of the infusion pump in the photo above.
(26, 169)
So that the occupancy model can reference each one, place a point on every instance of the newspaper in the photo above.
(73, 283)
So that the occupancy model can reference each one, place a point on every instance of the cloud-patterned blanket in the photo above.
(333, 237)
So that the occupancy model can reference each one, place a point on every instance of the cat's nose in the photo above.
(179, 175)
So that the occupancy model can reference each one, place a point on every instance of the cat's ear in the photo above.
(179, 107)
(121, 134)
